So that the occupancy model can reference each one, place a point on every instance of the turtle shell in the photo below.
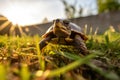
(74, 29)
(77, 29)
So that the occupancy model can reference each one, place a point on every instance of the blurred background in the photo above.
(39, 14)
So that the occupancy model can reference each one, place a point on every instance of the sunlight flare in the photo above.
(17, 15)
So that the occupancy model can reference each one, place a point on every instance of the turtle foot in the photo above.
(68, 39)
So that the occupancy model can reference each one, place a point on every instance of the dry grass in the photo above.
(21, 59)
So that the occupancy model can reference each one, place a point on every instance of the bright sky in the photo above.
(25, 12)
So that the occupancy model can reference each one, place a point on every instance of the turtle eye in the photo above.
(66, 22)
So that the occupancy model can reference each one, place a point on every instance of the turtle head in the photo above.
(61, 28)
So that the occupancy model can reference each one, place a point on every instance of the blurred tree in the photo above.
(45, 20)
(71, 10)
(108, 5)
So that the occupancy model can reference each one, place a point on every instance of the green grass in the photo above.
(21, 59)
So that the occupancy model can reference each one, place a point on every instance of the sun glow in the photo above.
(18, 15)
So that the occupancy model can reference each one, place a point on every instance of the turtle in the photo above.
(69, 32)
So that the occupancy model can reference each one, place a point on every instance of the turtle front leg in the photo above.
(80, 45)
(44, 42)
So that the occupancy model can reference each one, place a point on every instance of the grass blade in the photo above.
(24, 73)
(70, 66)
(2, 72)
